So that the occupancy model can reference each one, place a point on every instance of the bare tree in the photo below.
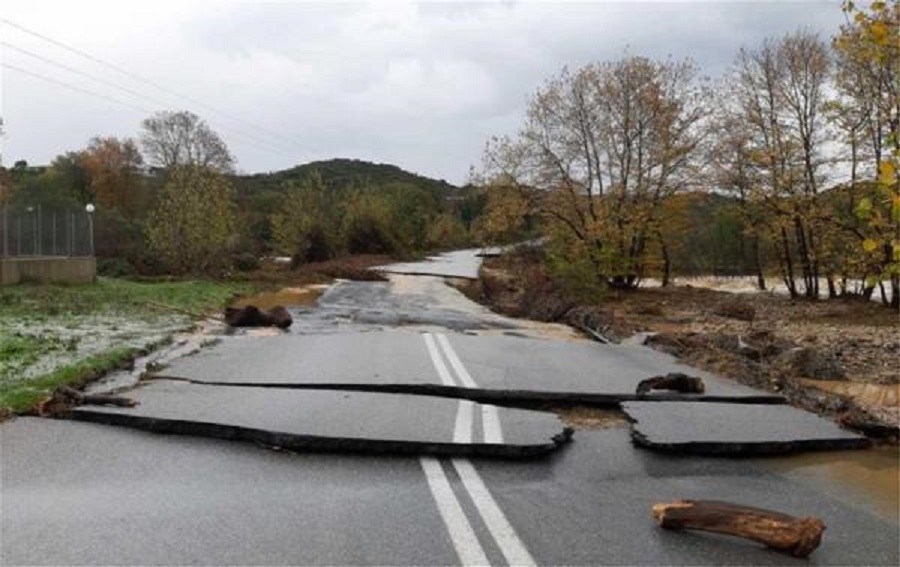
(182, 138)
(780, 89)
(603, 147)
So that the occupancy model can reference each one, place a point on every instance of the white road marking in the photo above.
(490, 418)
(490, 422)
(456, 363)
(462, 433)
(466, 543)
(438, 362)
(504, 534)
(498, 525)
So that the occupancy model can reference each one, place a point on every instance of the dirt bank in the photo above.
(838, 358)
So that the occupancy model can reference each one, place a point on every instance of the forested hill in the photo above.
(339, 173)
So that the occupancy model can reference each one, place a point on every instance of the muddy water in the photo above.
(869, 479)
(867, 394)
(287, 297)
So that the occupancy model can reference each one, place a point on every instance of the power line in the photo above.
(132, 92)
(108, 98)
(139, 78)
(73, 87)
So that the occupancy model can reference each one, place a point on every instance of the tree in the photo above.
(192, 227)
(868, 49)
(172, 139)
(114, 169)
(305, 227)
(780, 89)
(603, 147)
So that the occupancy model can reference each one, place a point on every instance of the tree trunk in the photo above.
(667, 261)
(788, 265)
(760, 278)
(795, 536)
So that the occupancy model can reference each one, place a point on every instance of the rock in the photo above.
(667, 343)
(808, 363)
(252, 316)
(879, 423)
(736, 310)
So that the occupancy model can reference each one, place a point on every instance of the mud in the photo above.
(287, 297)
(872, 475)
(583, 418)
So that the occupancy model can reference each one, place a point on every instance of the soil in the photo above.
(839, 358)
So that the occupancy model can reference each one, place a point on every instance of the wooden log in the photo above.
(787, 534)
(675, 381)
(65, 398)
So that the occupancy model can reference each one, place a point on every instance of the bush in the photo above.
(245, 262)
(115, 268)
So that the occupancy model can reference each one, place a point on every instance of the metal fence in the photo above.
(37, 230)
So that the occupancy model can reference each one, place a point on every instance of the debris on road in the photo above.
(252, 316)
(795, 536)
(64, 398)
(675, 381)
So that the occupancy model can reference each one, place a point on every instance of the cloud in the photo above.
(420, 85)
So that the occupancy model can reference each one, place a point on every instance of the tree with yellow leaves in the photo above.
(868, 48)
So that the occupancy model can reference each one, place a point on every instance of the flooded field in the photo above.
(55, 342)
(869, 479)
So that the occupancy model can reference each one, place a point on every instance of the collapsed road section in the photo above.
(335, 421)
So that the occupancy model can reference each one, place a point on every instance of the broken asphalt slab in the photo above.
(502, 369)
(734, 429)
(335, 421)
(458, 264)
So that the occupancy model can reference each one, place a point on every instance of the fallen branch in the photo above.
(675, 381)
(65, 398)
(787, 534)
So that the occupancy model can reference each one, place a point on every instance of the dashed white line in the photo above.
(466, 543)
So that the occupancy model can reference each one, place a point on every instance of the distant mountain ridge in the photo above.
(341, 172)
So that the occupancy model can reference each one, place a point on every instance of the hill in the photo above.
(340, 173)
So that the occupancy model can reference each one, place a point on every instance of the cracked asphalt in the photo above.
(77, 493)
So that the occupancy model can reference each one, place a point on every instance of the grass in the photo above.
(23, 397)
(113, 295)
(42, 326)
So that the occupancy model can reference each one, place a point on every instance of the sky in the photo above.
(419, 85)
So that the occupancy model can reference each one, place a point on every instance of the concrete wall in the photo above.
(48, 269)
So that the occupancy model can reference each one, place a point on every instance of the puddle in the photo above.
(583, 418)
(287, 297)
(868, 478)
(887, 395)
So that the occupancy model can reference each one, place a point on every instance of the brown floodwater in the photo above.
(867, 394)
(286, 297)
(868, 478)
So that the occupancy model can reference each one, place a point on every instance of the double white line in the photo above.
(460, 529)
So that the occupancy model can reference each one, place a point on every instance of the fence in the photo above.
(36, 230)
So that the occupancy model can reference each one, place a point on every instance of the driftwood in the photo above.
(787, 534)
(253, 316)
(65, 398)
(673, 381)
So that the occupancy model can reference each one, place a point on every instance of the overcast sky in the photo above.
(418, 85)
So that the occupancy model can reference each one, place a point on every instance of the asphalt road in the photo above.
(82, 493)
